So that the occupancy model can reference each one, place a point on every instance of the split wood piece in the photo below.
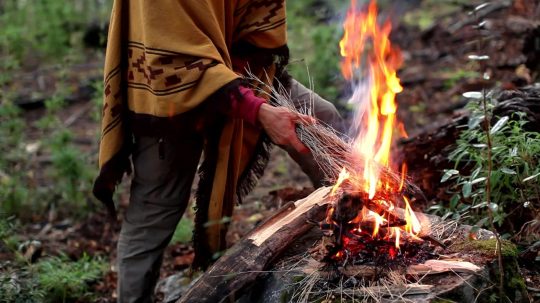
(246, 260)
(385, 291)
(442, 266)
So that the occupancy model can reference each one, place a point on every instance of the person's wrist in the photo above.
(263, 109)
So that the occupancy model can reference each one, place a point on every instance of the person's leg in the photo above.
(322, 110)
(160, 190)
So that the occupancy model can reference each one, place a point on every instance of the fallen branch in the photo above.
(248, 259)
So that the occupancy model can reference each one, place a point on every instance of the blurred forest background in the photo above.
(55, 242)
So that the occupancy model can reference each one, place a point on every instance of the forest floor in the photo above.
(435, 73)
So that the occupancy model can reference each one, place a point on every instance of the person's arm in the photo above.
(278, 122)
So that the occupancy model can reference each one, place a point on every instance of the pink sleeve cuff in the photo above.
(247, 108)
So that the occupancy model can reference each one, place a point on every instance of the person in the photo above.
(175, 90)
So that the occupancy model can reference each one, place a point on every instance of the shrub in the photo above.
(515, 177)
(313, 40)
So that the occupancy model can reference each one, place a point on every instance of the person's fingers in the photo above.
(304, 119)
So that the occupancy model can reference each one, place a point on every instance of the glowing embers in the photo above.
(359, 230)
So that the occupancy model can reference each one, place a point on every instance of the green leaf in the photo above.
(478, 180)
(493, 206)
(508, 171)
(480, 205)
(475, 173)
(473, 95)
(446, 215)
(467, 189)
(499, 125)
(454, 201)
(448, 173)
(478, 57)
(475, 121)
(531, 177)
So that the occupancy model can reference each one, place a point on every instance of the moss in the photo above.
(486, 247)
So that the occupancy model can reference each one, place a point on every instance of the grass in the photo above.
(314, 34)
(64, 280)
(183, 232)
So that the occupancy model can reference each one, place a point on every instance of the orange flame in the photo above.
(376, 97)
(343, 175)
(413, 224)
(370, 63)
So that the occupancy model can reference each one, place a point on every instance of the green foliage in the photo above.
(515, 176)
(56, 279)
(20, 286)
(43, 29)
(17, 280)
(68, 170)
(313, 42)
(433, 12)
(183, 232)
(7, 236)
(64, 280)
(453, 77)
(13, 162)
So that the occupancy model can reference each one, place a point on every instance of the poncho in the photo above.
(166, 67)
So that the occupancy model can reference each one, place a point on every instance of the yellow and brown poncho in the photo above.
(167, 58)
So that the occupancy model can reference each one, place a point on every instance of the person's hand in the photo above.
(280, 125)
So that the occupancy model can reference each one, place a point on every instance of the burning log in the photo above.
(458, 274)
(461, 270)
(246, 260)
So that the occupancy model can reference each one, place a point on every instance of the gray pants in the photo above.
(160, 191)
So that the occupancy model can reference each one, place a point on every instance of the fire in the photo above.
(376, 88)
(370, 63)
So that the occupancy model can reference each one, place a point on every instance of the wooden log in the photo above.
(384, 291)
(431, 267)
(246, 260)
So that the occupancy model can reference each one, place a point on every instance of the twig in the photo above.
(487, 122)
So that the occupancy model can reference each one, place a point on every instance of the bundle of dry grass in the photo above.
(333, 151)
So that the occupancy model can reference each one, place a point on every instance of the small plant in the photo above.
(19, 286)
(514, 179)
(17, 282)
(308, 29)
(183, 232)
(45, 30)
(55, 279)
(63, 280)
(14, 163)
